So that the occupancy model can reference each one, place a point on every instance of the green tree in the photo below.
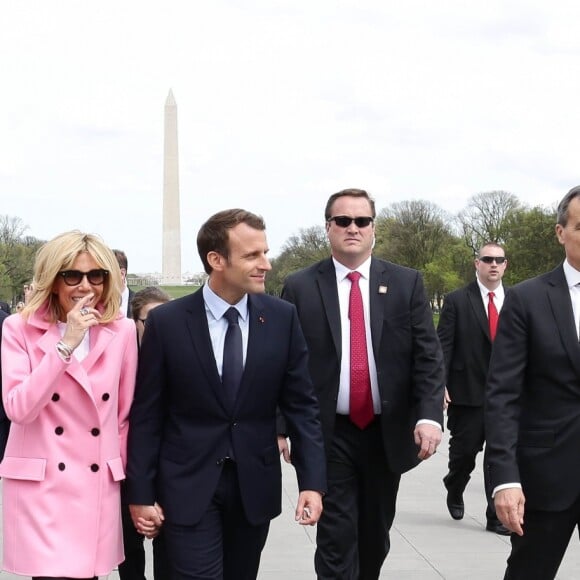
(531, 247)
(485, 218)
(412, 233)
(17, 252)
(310, 245)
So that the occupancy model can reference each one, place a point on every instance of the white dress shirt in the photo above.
(215, 308)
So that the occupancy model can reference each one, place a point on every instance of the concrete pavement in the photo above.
(426, 544)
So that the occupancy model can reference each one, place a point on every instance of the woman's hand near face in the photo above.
(78, 320)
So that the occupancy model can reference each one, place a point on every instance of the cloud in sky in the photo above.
(280, 104)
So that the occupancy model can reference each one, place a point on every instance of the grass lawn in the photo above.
(173, 291)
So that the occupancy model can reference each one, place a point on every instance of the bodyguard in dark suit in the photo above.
(202, 443)
(533, 410)
(403, 370)
(466, 331)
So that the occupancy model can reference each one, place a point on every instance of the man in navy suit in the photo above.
(465, 331)
(205, 450)
(532, 410)
(403, 379)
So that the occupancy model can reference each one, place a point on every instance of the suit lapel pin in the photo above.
(383, 289)
(261, 319)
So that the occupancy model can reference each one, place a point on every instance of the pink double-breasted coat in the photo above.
(66, 450)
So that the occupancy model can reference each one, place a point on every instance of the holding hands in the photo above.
(147, 519)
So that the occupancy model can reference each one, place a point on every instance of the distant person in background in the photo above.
(5, 307)
(133, 568)
(466, 331)
(127, 293)
(28, 290)
(69, 361)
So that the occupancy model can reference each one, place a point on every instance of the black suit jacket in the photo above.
(533, 394)
(181, 426)
(405, 346)
(463, 330)
(4, 421)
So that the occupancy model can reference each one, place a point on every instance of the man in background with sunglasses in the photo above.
(377, 368)
(466, 330)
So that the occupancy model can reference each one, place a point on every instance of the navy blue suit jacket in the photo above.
(181, 426)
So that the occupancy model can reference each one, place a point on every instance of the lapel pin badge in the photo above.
(383, 289)
(261, 319)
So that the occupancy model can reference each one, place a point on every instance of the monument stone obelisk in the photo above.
(171, 258)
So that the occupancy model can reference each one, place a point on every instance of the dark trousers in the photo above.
(466, 427)
(133, 567)
(223, 545)
(538, 553)
(352, 539)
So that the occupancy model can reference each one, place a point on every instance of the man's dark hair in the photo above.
(122, 259)
(350, 193)
(213, 235)
(562, 216)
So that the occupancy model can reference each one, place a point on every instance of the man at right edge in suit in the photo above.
(366, 453)
(532, 415)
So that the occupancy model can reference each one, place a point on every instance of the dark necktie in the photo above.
(361, 401)
(233, 360)
(492, 316)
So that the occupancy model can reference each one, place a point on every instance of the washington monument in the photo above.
(171, 259)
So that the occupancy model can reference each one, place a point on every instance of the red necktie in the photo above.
(492, 316)
(361, 401)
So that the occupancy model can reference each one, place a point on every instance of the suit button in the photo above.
(61, 466)
(59, 430)
(95, 432)
(106, 396)
(55, 397)
(94, 468)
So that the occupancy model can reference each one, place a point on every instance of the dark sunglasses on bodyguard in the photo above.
(75, 277)
(490, 259)
(343, 221)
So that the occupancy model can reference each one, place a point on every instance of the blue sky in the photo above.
(280, 104)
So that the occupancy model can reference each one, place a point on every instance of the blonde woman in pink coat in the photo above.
(68, 370)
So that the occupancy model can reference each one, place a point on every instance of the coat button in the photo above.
(61, 466)
(59, 430)
(94, 468)
(55, 397)
(95, 432)
(106, 396)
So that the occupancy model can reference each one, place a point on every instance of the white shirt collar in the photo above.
(572, 275)
(342, 271)
(498, 292)
(218, 306)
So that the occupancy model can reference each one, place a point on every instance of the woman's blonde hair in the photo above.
(59, 254)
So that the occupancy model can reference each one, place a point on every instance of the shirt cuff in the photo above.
(505, 486)
(429, 422)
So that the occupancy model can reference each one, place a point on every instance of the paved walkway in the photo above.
(426, 544)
